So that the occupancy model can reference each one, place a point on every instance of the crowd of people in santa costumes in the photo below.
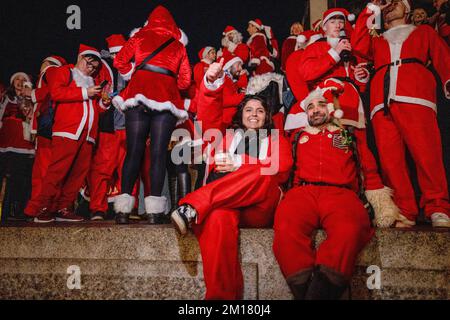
(282, 137)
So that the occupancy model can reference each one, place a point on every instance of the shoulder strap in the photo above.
(294, 156)
(154, 53)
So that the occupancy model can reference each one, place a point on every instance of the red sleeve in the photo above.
(361, 40)
(369, 167)
(209, 107)
(243, 52)
(231, 97)
(315, 63)
(122, 62)
(199, 73)
(60, 91)
(184, 72)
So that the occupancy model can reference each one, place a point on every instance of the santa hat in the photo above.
(334, 12)
(18, 74)
(85, 50)
(230, 59)
(115, 43)
(204, 52)
(57, 60)
(307, 37)
(228, 30)
(257, 23)
(316, 25)
(326, 90)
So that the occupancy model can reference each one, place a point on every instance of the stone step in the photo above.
(151, 262)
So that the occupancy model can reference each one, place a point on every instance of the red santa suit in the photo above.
(201, 67)
(288, 48)
(74, 134)
(41, 99)
(403, 109)
(155, 90)
(247, 198)
(324, 176)
(259, 53)
(235, 47)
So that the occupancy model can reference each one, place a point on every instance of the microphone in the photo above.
(346, 55)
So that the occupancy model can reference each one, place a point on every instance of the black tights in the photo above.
(140, 122)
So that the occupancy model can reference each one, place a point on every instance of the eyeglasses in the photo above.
(94, 65)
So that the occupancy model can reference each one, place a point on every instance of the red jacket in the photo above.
(12, 136)
(156, 91)
(74, 110)
(321, 158)
(410, 82)
(40, 97)
(288, 48)
(259, 53)
(199, 72)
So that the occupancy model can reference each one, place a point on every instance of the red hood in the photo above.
(161, 21)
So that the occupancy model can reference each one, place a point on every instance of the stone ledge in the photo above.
(147, 262)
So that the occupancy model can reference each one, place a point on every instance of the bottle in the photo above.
(346, 55)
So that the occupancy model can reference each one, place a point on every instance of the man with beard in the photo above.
(403, 107)
(324, 196)
(232, 44)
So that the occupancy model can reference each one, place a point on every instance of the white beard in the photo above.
(237, 38)
(82, 80)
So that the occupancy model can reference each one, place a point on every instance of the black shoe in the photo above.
(158, 219)
(184, 185)
(299, 283)
(322, 288)
(98, 216)
(182, 217)
(122, 218)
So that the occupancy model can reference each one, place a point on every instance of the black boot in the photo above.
(173, 190)
(158, 218)
(326, 284)
(299, 283)
(184, 186)
(123, 218)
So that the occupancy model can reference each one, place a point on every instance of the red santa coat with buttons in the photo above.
(156, 91)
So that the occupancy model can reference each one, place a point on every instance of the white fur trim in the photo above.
(184, 38)
(333, 53)
(155, 204)
(91, 52)
(259, 26)
(33, 96)
(85, 93)
(301, 39)
(230, 63)
(115, 49)
(124, 203)
(17, 150)
(386, 212)
(250, 40)
(127, 76)
(23, 74)
(374, 8)
(261, 82)
(296, 121)
(351, 17)
(122, 105)
(269, 62)
(133, 32)
(187, 104)
(399, 34)
(215, 85)
(55, 61)
(331, 15)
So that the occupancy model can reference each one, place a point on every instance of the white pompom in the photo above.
(351, 17)
(184, 38)
(301, 39)
(338, 114)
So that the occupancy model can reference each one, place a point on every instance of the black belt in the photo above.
(387, 78)
(152, 68)
(323, 184)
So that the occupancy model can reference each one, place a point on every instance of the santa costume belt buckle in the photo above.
(397, 63)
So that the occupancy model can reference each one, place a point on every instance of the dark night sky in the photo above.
(32, 30)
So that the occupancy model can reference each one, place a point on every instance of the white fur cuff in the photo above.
(155, 205)
(124, 203)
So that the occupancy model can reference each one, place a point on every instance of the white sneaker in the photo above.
(182, 217)
(440, 220)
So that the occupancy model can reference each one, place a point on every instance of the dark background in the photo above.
(32, 30)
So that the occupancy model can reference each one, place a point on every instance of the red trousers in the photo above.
(41, 162)
(336, 210)
(414, 127)
(108, 159)
(241, 199)
(67, 170)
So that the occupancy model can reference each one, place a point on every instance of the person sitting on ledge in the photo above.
(242, 190)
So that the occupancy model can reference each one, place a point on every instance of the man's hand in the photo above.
(343, 45)
(224, 163)
(360, 71)
(93, 91)
(26, 92)
(215, 71)
(381, 5)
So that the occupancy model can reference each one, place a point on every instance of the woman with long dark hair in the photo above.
(152, 105)
(245, 170)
